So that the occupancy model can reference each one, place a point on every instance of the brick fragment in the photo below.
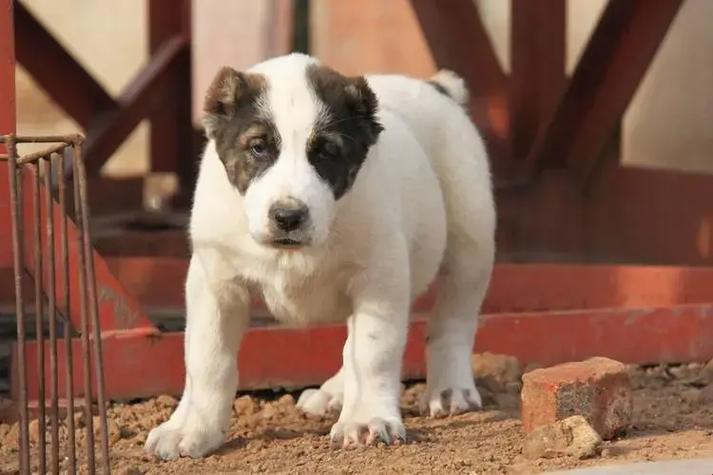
(571, 437)
(497, 373)
(245, 406)
(598, 389)
(706, 373)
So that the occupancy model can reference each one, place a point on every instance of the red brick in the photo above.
(597, 389)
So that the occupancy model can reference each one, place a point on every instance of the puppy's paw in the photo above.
(169, 442)
(450, 401)
(352, 433)
(318, 402)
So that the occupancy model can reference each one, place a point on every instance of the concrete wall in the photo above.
(670, 121)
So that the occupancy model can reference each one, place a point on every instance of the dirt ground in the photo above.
(673, 418)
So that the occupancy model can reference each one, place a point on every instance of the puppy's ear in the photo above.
(364, 103)
(222, 98)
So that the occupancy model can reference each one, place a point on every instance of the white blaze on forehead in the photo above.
(292, 102)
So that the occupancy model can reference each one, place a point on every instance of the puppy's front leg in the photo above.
(372, 362)
(217, 316)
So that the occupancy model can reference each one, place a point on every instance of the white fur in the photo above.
(453, 84)
(421, 201)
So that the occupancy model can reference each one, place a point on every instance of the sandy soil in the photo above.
(673, 419)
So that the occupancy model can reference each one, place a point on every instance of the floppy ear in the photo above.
(222, 98)
(364, 103)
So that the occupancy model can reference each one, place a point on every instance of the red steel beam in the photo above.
(537, 68)
(157, 283)
(458, 41)
(613, 63)
(144, 94)
(140, 365)
(60, 75)
(7, 124)
(7, 78)
(171, 142)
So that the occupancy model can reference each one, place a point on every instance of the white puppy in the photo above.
(336, 199)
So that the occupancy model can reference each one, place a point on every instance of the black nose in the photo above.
(289, 215)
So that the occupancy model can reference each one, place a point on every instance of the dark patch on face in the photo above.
(342, 137)
(246, 139)
(438, 87)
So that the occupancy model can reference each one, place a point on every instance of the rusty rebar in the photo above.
(39, 316)
(81, 181)
(41, 154)
(83, 304)
(58, 305)
(18, 264)
(67, 326)
(52, 315)
(67, 139)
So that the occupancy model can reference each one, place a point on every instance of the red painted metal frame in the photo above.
(157, 283)
(7, 120)
(625, 214)
(146, 365)
(611, 67)
(541, 314)
(148, 89)
(7, 70)
(537, 68)
(171, 124)
(458, 41)
(161, 90)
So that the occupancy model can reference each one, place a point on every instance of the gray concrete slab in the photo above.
(670, 467)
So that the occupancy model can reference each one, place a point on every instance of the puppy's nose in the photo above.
(289, 215)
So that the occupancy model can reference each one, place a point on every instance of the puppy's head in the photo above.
(292, 135)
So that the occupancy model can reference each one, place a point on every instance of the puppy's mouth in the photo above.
(287, 243)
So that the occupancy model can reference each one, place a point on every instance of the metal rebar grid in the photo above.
(39, 200)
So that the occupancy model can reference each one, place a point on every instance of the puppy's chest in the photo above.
(308, 301)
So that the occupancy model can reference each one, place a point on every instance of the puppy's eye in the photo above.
(329, 150)
(258, 148)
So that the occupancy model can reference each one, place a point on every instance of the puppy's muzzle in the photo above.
(289, 222)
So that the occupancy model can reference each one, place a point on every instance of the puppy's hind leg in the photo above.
(328, 398)
(452, 326)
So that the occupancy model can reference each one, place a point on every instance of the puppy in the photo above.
(336, 199)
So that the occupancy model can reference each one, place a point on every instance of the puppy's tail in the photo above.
(449, 83)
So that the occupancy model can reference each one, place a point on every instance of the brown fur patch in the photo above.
(235, 121)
